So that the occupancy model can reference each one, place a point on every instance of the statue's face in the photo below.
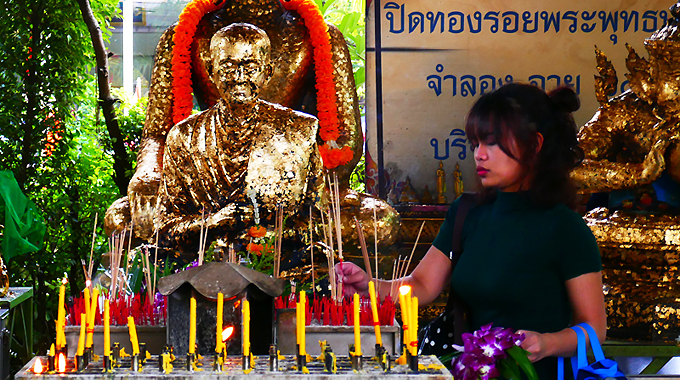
(667, 78)
(240, 69)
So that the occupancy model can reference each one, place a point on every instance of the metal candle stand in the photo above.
(107, 363)
(412, 361)
(80, 363)
(51, 365)
(190, 362)
(246, 362)
(135, 363)
(382, 357)
(273, 358)
(142, 352)
(115, 352)
(329, 360)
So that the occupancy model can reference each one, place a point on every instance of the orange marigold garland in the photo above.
(326, 100)
(181, 55)
(329, 124)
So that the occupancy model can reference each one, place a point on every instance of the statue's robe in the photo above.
(215, 165)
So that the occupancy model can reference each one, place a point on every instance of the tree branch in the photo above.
(121, 162)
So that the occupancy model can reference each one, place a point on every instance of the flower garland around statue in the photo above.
(329, 130)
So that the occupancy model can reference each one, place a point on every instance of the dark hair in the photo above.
(517, 112)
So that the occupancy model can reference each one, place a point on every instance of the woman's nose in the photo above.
(480, 153)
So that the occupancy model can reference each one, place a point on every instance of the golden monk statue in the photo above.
(458, 182)
(292, 84)
(441, 184)
(243, 157)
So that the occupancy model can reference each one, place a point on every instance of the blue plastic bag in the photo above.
(602, 368)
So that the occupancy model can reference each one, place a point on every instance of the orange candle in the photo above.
(246, 327)
(374, 311)
(303, 323)
(220, 308)
(357, 325)
(414, 326)
(90, 319)
(81, 338)
(192, 325)
(107, 329)
(133, 335)
(405, 312)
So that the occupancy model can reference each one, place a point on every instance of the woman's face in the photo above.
(498, 170)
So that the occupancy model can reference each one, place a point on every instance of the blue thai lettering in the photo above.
(478, 17)
(486, 81)
(508, 79)
(624, 86)
(569, 81)
(609, 19)
(614, 39)
(468, 85)
(434, 20)
(649, 16)
(508, 22)
(492, 16)
(534, 80)
(526, 17)
(587, 16)
(556, 78)
(550, 18)
(453, 22)
(664, 16)
(416, 19)
(453, 80)
(628, 18)
(571, 15)
(459, 142)
(390, 16)
(435, 81)
(435, 143)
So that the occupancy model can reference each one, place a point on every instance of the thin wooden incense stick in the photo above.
(364, 250)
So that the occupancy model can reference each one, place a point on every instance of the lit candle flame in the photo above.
(37, 367)
(226, 333)
(61, 367)
(87, 283)
(64, 280)
(404, 289)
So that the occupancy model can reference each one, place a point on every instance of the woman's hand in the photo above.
(535, 343)
(352, 278)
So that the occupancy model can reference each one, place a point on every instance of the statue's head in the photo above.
(240, 62)
(658, 79)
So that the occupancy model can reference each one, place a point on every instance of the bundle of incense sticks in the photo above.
(203, 237)
(325, 311)
(116, 252)
(400, 268)
(329, 252)
(364, 250)
(90, 267)
(144, 312)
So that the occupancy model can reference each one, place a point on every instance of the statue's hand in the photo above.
(226, 216)
(654, 163)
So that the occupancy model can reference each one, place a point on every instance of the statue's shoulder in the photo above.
(179, 132)
(285, 115)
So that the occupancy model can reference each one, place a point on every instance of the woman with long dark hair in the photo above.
(528, 261)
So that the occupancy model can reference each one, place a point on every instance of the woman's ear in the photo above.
(539, 142)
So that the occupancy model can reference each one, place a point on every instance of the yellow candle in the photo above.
(192, 325)
(61, 315)
(90, 319)
(374, 310)
(133, 335)
(86, 293)
(81, 338)
(405, 311)
(303, 323)
(107, 330)
(220, 309)
(357, 325)
(414, 326)
(246, 327)
(297, 326)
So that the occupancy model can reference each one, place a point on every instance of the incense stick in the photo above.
(88, 275)
(375, 237)
(311, 252)
(415, 245)
(200, 238)
(155, 265)
(127, 254)
(364, 250)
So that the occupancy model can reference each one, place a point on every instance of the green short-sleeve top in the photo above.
(515, 261)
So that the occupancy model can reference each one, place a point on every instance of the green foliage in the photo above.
(46, 89)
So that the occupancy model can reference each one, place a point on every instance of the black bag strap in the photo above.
(454, 303)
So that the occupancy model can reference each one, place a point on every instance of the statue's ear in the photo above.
(269, 71)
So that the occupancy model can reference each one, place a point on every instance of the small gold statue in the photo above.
(441, 184)
(241, 158)
(427, 197)
(457, 181)
(408, 194)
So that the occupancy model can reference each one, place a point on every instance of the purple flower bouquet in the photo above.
(491, 352)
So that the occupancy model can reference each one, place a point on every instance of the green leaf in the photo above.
(520, 356)
(508, 369)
